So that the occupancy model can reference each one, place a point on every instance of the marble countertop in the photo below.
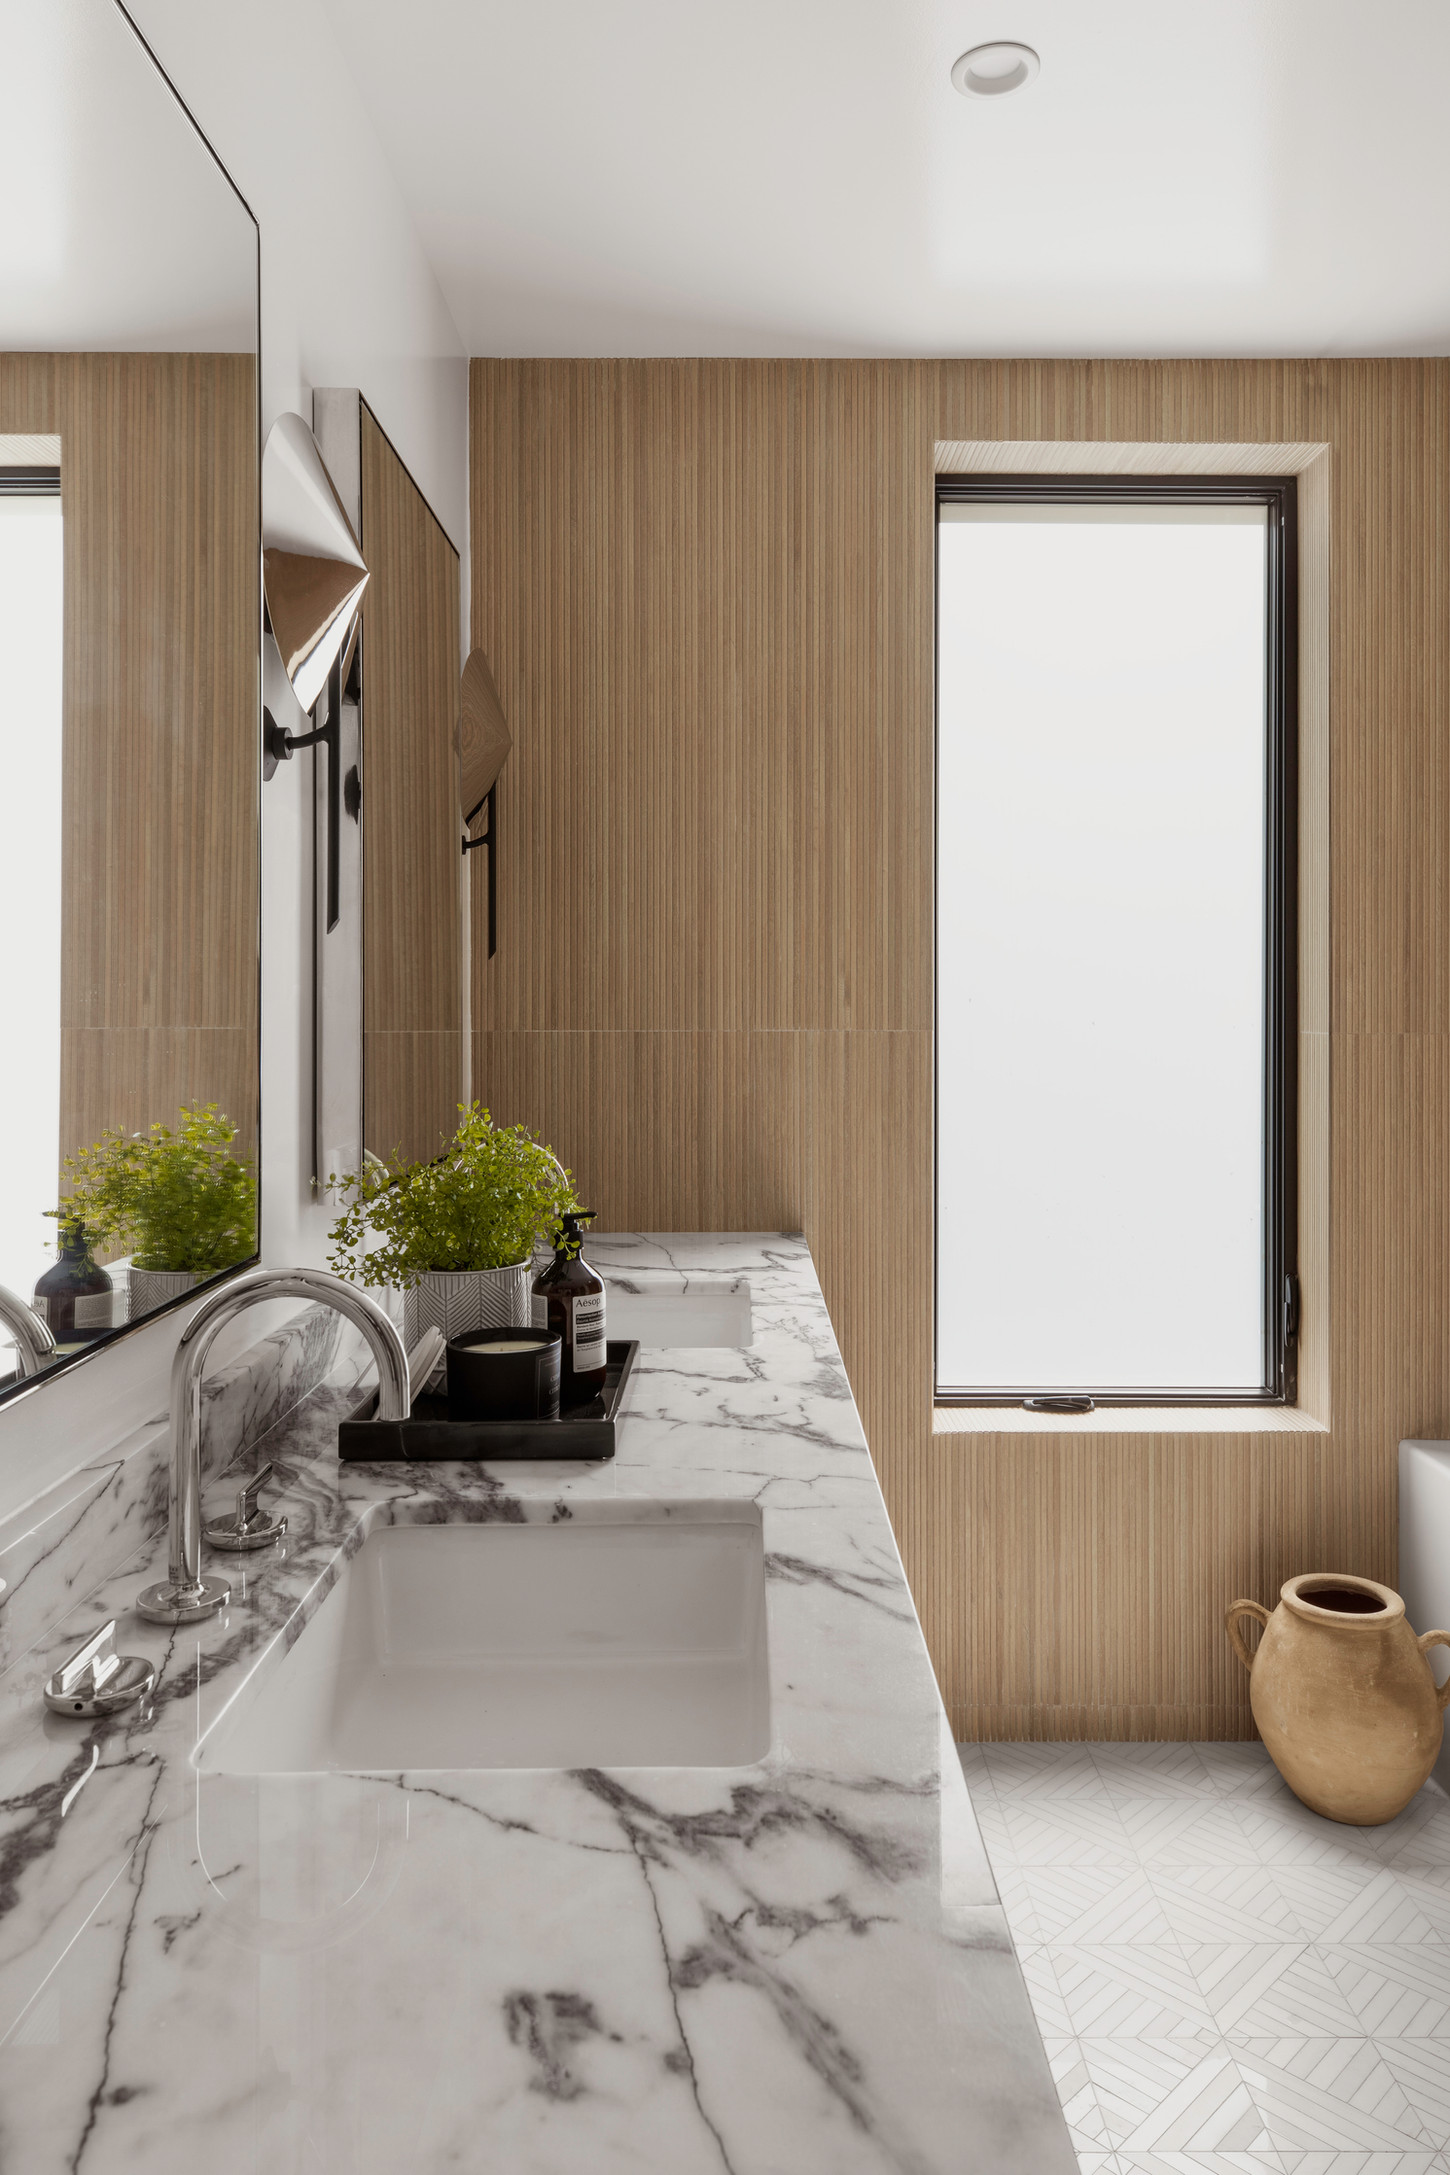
(798, 1967)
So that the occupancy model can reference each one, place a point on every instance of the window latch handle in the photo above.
(1291, 1308)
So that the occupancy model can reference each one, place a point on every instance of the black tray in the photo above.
(582, 1431)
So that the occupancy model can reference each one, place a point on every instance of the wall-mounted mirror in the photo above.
(391, 973)
(129, 692)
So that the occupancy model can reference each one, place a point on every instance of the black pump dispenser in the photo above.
(570, 1244)
(569, 1303)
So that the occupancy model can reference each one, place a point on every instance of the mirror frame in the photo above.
(20, 1386)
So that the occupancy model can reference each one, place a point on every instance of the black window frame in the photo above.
(1280, 1310)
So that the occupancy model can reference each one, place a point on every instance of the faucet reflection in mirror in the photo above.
(184, 1595)
(33, 1343)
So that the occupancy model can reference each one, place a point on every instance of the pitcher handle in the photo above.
(1260, 1614)
(1426, 1640)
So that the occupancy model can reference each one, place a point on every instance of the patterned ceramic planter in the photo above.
(457, 1300)
(147, 1289)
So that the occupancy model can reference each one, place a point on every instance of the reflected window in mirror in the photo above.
(31, 595)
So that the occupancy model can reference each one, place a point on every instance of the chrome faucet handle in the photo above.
(184, 1596)
(251, 1527)
(98, 1680)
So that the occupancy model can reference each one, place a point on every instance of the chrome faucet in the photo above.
(34, 1344)
(184, 1595)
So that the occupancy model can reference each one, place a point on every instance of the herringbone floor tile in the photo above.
(1272, 1989)
(1128, 1993)
(1225, 1903)
(1382, 1913)
(1226, 1983)
(1066, 1830)
(1209, 2110)
(1403, 1993)
(1414, 2162)
(1134, 2077)
(1111, 1904)
(1318, 2093)
(1429, 1893)
(1422, 2072)
(1239, 1770)
(1151, 1770)
(1421, 1835)
(1043, 1770)
(1206, 1830)
(1318, 1894)
(1075, 2091)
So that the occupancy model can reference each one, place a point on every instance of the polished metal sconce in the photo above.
(313, 577)
(312, 567)
(483, 745)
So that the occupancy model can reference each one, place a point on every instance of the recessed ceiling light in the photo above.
(990, 70)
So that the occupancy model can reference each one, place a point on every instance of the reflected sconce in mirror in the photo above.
(313, 578)
(483, 745)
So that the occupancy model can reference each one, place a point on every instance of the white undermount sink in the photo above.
(595, 1642)
(712, 1312)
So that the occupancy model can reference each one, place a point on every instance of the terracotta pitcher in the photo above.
(1343, 1695)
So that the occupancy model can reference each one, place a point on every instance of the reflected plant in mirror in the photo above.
(455, 1235)
(184, 1202)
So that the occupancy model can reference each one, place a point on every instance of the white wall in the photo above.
(348, 298)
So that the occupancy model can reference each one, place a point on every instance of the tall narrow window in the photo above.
(1115, 698)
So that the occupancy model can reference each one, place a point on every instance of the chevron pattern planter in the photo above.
(456, 1301)
(148, 1288)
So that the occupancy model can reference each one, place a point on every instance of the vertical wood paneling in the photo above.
(706, 592)
(159, 992)
(412, 946)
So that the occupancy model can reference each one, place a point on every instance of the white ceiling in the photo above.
(773, 177)
(118, 228)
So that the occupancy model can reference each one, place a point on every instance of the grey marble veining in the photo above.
(798, 1967)
(59, 1546)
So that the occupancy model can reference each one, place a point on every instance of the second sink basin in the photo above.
(592, 1643)
(710, 1313)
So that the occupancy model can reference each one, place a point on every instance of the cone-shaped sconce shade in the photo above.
(483, 734)
(312, 568)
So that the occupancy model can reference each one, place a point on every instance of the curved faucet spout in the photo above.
(34, 1344)
(185, 1595)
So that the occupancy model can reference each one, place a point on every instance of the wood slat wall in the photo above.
(162, 616)
(706, 592)
(412, 938)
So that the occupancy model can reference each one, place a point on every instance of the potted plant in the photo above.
(183, 1201)
(456, 1235)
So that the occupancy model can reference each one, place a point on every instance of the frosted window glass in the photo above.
(30, 883)
(1100, 960)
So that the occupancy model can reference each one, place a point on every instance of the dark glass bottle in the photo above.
(75, 1298)
(569, 1303)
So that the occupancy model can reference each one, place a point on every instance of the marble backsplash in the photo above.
(85, 1528)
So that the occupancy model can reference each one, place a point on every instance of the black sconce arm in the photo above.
(486, 837)
(279, 746)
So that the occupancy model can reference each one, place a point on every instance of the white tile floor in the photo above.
(1223, 1980)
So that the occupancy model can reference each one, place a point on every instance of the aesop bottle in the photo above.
(569, 1303)
(75, 1298)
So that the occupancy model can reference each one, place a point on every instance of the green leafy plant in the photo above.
(481, 1205)
(179, 1200)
